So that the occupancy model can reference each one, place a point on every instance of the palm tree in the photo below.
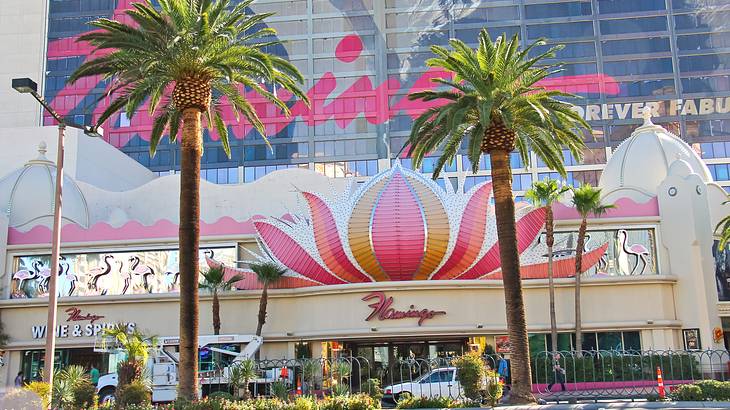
(214, 281)
(188, 59)
(267, 273)
(544, 194)
(723, 229)
(241, 373)
(587, 201)
(495, 105)
(136, 346)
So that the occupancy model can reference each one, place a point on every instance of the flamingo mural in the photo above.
(639, 251)
(66, 279)
(141, 271)
(101, 273)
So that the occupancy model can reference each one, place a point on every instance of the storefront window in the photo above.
(107, 273)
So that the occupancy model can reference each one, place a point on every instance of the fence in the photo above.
(590, 375)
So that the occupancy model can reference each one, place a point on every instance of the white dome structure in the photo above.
(27, 195)
(642, 161)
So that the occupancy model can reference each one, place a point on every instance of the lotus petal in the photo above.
(528, 227)
(328, 241)
(472, 232)
(398, 233)
(563, 268)
(292, 255)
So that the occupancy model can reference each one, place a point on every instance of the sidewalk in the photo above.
(627, 405)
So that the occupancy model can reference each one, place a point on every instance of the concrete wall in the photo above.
(23, 48)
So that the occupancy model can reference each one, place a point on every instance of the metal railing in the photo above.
(608, 374)
(568, 375)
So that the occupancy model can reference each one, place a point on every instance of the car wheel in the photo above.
(106, 395)
(402, 395)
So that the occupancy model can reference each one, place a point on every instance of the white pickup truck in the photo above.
(163, 362)
(441, 382)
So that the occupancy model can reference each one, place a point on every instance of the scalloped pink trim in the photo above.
(131, 230)
(625, 207)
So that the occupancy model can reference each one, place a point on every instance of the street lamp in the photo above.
(28, 86)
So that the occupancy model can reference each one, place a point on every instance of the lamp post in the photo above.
(28, 86)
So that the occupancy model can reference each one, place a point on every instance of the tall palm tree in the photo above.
(494, 104)
(723, 229)
(214, 281)
(587, 201)
(544, 194)
(267, 273)
(188, 59)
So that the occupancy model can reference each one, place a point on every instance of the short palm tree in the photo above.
(189, 59)
(544, 194)
(587, 201)
(723, 229)
(494, 104)
(214, 281)
(241, 373)
(268, 273)
(136, 346)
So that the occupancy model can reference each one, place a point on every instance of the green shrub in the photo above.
(372, 388)
(280, 390)
(221, 395)
(341, 389)
(494, 388)
(42, 390)
(472, 371)
(714, 390)
(432, 403)
(84, 395)
(686, 392)
(652, 398)
(134, 393)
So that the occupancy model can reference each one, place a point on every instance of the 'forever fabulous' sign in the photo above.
(383, 310)
(75, 330)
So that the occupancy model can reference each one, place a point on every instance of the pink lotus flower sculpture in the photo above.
(399, 226)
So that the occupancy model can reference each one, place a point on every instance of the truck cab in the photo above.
(216, 354)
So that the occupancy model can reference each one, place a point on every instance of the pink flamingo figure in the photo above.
(638, 250)
(44, 274)
(127, 280)
(67, 281)
(141, 270)
(24, 274)
(171, 279)
(98, 273)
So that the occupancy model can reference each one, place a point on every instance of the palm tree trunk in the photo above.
(262, 314)
(510, 258)
(578, 270)
(216, 313)
(262, 309)
(190, 152)
(550, 239)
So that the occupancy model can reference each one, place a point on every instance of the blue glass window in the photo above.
(521, 182)
(569, 9)
(647, 88)
(634, 25)
(567, 30)
(703, 41)
(636, 46)
(712, 21)
(708, 62)
(471, 181)
(655, 66)
(484, 163)
(706, 84)
(629, 6)
(720, 172)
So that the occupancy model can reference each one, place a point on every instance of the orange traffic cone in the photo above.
(299, 386)
(660, 382)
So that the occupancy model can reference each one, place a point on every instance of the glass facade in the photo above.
(362, 57)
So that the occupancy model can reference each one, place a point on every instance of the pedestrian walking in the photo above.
(503, 371)
(19, 380)
(558, 374)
